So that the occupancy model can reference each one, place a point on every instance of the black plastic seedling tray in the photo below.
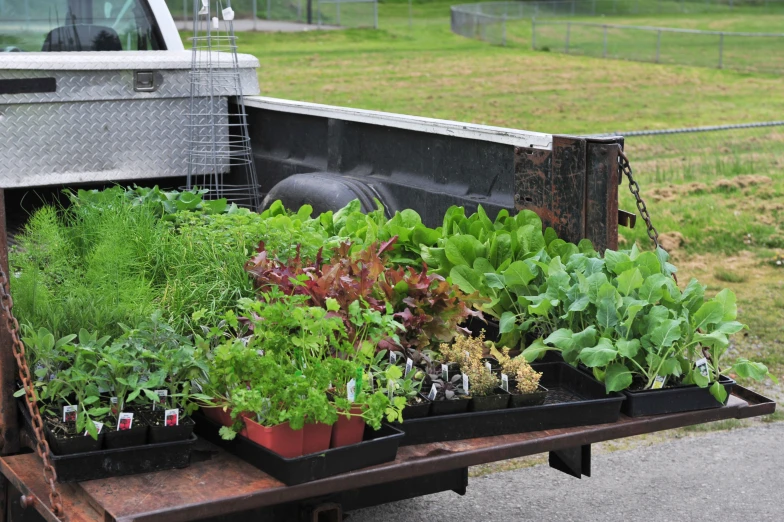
(123, 461)
(574, 399)
(672, 400)
(376, 447)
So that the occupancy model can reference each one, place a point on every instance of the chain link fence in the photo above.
(344, 13)
(506, 23)
(704, 153)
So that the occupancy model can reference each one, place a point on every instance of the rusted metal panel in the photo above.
(9, 428)
(552, 184)
(601, 223)
(225, 484)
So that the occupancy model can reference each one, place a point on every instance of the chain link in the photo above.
(42, 447)
(634, 188)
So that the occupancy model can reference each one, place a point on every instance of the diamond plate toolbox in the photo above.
(102, 118)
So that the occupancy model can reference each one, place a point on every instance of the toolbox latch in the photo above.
(144, 81)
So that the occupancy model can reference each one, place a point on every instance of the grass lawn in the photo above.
(724, 224)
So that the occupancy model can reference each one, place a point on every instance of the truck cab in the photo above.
(87, 25)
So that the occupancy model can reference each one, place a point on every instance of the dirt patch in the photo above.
(672, 242)
(740, 182)
(664, 194)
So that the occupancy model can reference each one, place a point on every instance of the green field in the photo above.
(723, 219)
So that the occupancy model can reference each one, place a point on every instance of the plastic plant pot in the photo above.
(499, 400)
(71, 444)
(281, 439)
(348, 431)
(519, 400)
(449, 406)
(316, 438)
(136, 436)
(218, 414)
(159, 432)
(417, 411)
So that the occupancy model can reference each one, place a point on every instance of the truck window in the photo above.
(77, 25)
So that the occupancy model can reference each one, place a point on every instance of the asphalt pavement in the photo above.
(264, 26)
(728, 476)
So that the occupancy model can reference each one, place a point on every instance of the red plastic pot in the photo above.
(281, 438)
(348, 430)
(218, 414)
(316, 438)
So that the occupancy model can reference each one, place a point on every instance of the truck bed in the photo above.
(219, 484)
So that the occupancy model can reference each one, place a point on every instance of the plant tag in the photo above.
(351, 390)
(488, 366)
(392, 357)
(465, 383)
(467, 355)
(409, 366)
(432, 394)
(203, 11)
(172, 417)
(98, 427)
(658, 382)
(125, 421)
(114, 404)
(390, 390)
(702, 366)
(260, 353)
(215, 22)
(265, 406)
(69, 413)
(505, 382)
(370, 382)
(445, 372)
(228, 14)
(162, 394)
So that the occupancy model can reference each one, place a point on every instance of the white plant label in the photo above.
(215, 22)
(228, 14)
(69, 413)
(125, 422)
(172, 417)
(205, 5)
(370, 382)
(505, 382)
(409, 366)
(467, 355)
(351, 390)
(162, 394)
(488, 366)
(432, 394)
(390, 390)
(98, 427)
(392, 357)
(465, 383)
(658, 382)
(702, 366)
(260, 353)
(445, 372)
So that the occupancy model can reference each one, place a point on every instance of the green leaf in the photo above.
(535, 351)
(751, 370)
(463, 250)
(495, 281)
(617, 377)
(670, 366)
(648, 264)
(718, 391)
(585, 338)
(600, 355)
(466, 278)
(693, 296)
(507, 322)
(666, 332)
(629, 281)
(483, 266)
(726, 298)
(607, 307)
(730, 327)
(562, 338)
(697, 378)
(550, 235)
(709, 313)
(617, 262)
(628, 348)
(540, 306)
(518, 274)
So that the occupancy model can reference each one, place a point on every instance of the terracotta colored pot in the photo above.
(281, 438)
(217, 414)
(316, 438)
(348, 430)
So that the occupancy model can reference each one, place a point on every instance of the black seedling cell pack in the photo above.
(376, 447)
(124, 461)
(574, 399)
(673, 400)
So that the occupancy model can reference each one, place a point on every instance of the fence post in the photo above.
(721, 50)
(573, 1)
(269, 9)
(568, 34)
(658, 45)
(593, 7)
(184, 10)
(409, 15)
(318, 11)
(533, 34)
(604, 52)
(337, 4)
(299, 11)
(375, 14)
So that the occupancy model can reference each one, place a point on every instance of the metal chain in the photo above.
(42, 447)
(634, 188)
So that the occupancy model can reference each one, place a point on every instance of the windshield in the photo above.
(77, 25)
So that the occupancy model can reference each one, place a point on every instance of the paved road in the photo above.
(721, 477)
(265, 26)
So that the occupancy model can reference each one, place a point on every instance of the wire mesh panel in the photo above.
(219, 143)
(347, 13)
